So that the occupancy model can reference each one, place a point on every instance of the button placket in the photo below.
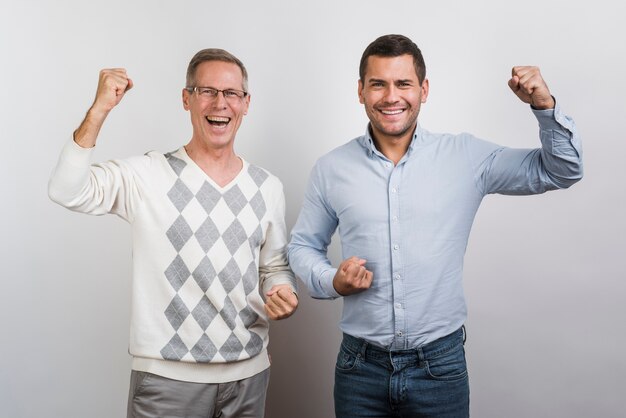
(399, 320)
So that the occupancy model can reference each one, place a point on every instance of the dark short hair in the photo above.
(213, 54)
(394, 46)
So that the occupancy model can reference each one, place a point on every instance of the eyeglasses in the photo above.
(209, 93)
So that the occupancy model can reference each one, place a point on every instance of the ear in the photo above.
(425, 87)
(360, 91)
(247, 104)
(186, 99)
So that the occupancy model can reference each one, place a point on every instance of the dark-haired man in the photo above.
(209, 248)
(404, 200)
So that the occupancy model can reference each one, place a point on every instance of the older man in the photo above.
(404, 200)
(209, 247)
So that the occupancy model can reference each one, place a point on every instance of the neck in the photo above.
(392, 146)
(221, 164)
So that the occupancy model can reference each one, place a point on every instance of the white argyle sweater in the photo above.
(202, 255)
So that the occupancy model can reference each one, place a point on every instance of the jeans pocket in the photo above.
(347, 360)
(448, 366)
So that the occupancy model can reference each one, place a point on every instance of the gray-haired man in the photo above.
(209, 247)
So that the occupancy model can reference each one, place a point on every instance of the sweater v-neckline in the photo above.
(209, 179)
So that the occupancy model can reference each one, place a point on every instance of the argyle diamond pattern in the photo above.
(204, 350)
(175, 349)
(216, 276)
(255, 345)
(177, 273)
(204, 312)
(232, 348)
(176, 312)
(180, 195)
(230, 275)
(207, 234)
(204, 274)
(250, 279)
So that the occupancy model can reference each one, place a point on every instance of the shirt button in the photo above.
(399, 305)
(395, 247)
(393, 190)
(399, 333)
(395, 218)
(396, 276)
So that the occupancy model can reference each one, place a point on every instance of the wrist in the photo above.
(97, 114)
(543, 104)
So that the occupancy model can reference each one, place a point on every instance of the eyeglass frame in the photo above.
(217, 92)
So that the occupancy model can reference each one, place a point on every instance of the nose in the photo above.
(220, 100)
(391, 94)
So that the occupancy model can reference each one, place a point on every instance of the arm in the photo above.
(308, 248)
(100, 188)
(276, 279)
(112, 85)
(556, 165)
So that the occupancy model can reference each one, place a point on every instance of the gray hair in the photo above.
(214, 54)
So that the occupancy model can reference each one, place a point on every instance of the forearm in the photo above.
(313, 267)
(561, 150)
(277, 275)
(557, 164)
(273, 264)
(87, 133)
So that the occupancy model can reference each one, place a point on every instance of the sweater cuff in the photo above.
(76, 155)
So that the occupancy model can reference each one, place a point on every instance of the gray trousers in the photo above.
(152, 396)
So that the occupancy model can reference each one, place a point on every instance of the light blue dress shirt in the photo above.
(411, 222)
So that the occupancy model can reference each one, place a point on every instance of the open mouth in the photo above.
(391, 112)
(217, 121)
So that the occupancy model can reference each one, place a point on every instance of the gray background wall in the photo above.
(544, 275)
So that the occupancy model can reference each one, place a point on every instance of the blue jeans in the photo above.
(429, 381)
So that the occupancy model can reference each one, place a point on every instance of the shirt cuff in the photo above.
(326, 282)
(551, 119)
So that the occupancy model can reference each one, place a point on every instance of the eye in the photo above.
(231, 93)
(404, 84)
(377, 85)
(207, 92)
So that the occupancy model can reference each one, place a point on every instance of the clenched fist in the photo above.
(528, 84)
(281, 302)
(352, 277)
(113, 83)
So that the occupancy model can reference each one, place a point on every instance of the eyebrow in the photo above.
(377, 80)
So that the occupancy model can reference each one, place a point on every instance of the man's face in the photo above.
(216, 120)
(392, 96)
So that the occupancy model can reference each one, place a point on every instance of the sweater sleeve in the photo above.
(273, 265)
(95, 189)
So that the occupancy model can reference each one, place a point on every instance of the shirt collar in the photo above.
(367, 142)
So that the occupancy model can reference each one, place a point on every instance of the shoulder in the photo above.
(448, 140)
(347, 152)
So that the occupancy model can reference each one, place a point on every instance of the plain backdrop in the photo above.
(544, 275)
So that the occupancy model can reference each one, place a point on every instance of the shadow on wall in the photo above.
(303, 349)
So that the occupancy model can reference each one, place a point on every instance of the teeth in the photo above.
(217, 119)
(392, 112)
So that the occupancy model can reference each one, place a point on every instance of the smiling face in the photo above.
(392, 96)
(216, 120)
